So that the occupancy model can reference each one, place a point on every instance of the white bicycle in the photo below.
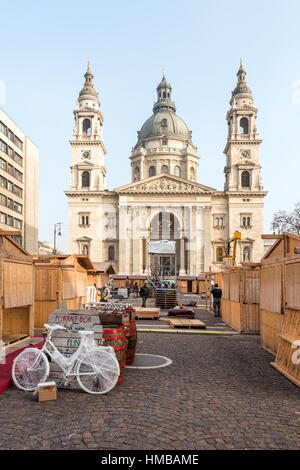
(95, 367)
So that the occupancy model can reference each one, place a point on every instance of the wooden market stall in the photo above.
(119, 281)
(240, 300)
(60, 282)
(279, 288)
(187, 284)
(101, 273)
(288, 352)
(17, 290)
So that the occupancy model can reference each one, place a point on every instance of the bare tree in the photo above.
(284, 221)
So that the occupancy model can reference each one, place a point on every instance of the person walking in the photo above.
(135, 290)
(144, 293)
(217, 296)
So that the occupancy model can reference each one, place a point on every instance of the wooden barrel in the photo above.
(113, 335)
(131, 335)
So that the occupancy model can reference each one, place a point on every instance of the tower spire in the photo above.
(88, 87)
(164, 91)
(241, 86)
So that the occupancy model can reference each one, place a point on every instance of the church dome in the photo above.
(164, 122)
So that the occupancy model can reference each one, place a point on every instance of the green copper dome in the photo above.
(164, 123)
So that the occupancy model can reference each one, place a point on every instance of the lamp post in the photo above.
(57, 229)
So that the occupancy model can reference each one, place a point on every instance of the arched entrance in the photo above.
(164, 245)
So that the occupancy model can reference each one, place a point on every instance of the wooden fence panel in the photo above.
(271, 288)
(17, 284)
(251, 287)
(293, 284)
(46, 284)
(226, 286)
(69, 284)
(235, 286)
(81, 284)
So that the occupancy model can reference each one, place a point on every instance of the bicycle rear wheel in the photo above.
(30, 368)
(97, 371)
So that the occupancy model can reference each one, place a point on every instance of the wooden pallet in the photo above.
(147, 312)
(165, 298)
(186, 323)
(10, 339)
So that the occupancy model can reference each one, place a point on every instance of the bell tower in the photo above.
(242, 170)
(88, 170)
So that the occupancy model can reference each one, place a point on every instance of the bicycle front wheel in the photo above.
(30, 368)
(98, 371)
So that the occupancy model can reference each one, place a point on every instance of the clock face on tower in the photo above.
(85, 155)
(245, 154)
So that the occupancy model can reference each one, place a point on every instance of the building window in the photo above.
(246, 221)
(192, 174)
(85, 179)
(177, 171)
(10, 220)
(111, 253)
(86, 128)
(136, 173)
(152, 171)
(164, 123)
(2, 218)
(165, 169)
(2, 200)
(111, 220)
(244, 126)
(18, 224)
(245, 179)
(84, 220)
(2, 128)
(3, 182)
(219, 254)
(164, 141)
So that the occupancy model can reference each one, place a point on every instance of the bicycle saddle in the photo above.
(54, 327)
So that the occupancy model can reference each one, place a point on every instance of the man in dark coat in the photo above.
(217, 295)
(144, 293)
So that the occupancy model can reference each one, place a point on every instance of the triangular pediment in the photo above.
(165, 184)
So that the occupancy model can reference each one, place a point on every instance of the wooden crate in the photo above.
(58, 279)
(16, 290)
(147, 312)
(240, 302)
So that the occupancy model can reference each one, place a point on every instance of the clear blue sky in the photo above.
(44, 52)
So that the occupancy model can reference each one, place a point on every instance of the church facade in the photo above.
(164, 221)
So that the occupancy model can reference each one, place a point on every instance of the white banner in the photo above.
(162, 247)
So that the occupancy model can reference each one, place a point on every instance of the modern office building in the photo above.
(18, 183)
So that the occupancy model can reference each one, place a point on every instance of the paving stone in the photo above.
(219, 393)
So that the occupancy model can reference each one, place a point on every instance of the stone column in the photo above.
(199, 241)
(123, 240)
(207, 238)
(182, 257)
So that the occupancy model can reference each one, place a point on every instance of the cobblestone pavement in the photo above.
(219, 393)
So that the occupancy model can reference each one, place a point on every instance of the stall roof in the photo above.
(286, 245)
(104, 267)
